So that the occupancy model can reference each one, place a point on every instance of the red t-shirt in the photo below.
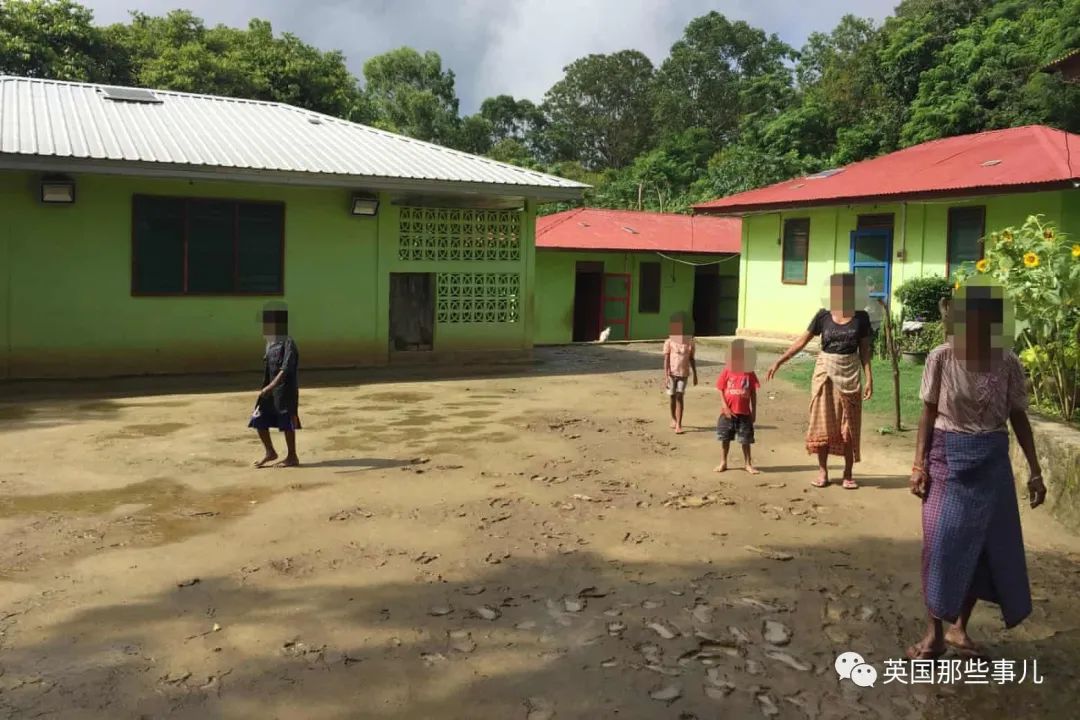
(736, 388)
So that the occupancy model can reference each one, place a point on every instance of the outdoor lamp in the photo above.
(365, 204)
(58, 191)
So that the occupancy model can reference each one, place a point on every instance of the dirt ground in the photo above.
(533, 544)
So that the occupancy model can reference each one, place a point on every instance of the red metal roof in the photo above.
(599, 229)
(1022, 158)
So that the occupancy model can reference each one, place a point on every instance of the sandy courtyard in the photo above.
(533, 545)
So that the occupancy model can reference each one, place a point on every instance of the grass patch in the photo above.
(880, 407)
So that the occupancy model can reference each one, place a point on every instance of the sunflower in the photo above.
(1031, 259)
(1076, 251)
(1006, 236)
(983, 265)
(1048, 234)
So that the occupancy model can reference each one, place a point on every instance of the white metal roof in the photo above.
(49, 124)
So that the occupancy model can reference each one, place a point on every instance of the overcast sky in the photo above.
(518, 47)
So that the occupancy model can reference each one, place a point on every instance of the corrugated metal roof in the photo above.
(73, 122)
(601, 229)
(995, 161)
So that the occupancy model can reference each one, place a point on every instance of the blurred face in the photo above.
(742, 357)
(678, 326)
(274, 324)
(977, 336)
(842, 293)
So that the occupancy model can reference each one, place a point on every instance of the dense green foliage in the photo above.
(920, 297)
(730, 108)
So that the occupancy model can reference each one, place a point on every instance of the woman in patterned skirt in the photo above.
(836, 391)
(973, 548)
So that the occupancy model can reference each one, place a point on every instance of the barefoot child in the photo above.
(678, 364)
(278, 405)
(738, 386)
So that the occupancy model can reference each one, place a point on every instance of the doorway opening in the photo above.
(412, 312)
(588, 301)
(707, 300)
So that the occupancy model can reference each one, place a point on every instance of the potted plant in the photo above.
(916, 344)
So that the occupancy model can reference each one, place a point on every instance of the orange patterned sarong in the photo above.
(835, 405)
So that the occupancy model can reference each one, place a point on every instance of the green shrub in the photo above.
(920, 297)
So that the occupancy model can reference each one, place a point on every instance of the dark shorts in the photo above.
(736, 427)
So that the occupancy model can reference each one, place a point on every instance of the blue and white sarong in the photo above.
(972, 542)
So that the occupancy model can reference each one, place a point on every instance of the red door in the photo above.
(616, 305)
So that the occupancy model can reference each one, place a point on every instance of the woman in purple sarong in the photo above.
(973, 548)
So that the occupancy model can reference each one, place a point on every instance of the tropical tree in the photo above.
(600, 113)
(53, 39)
(411, 94)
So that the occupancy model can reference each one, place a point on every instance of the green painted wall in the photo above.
(767, 306)
(66, 278)
(555, 276)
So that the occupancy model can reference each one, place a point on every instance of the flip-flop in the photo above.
(970, 652)
(918, 652)
(850, 484)
(820, 483)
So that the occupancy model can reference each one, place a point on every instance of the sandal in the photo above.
(820, 482)
(850, 484)
(920, 652)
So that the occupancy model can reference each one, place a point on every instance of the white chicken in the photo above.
(605, 334)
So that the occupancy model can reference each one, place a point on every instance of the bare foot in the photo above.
(752, 470)
(678, 430)
(673, 425)
(290, 461)
(270, 457)
(722, 467)
(960, 640)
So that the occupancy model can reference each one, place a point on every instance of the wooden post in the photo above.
(890, 345)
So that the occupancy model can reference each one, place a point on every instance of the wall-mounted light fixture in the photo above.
(363, 204)
(58, 191)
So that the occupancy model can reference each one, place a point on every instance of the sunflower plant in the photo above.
(1039, 267)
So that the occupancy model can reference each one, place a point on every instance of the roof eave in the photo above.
(10, 161)
(551, 248)
(738, 209)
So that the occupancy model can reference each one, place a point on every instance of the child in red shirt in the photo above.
(738, 386)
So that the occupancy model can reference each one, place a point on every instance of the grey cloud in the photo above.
(517, 47)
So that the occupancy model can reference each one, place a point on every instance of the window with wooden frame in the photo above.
(188, 246)
(649, 287)
(964, 243)
(796, 251)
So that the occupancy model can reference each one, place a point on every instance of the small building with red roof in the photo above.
(630, 271)
(923, 210)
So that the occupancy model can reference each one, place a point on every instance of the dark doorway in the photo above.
(412, 311)
(706, 300)
(588, 301)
